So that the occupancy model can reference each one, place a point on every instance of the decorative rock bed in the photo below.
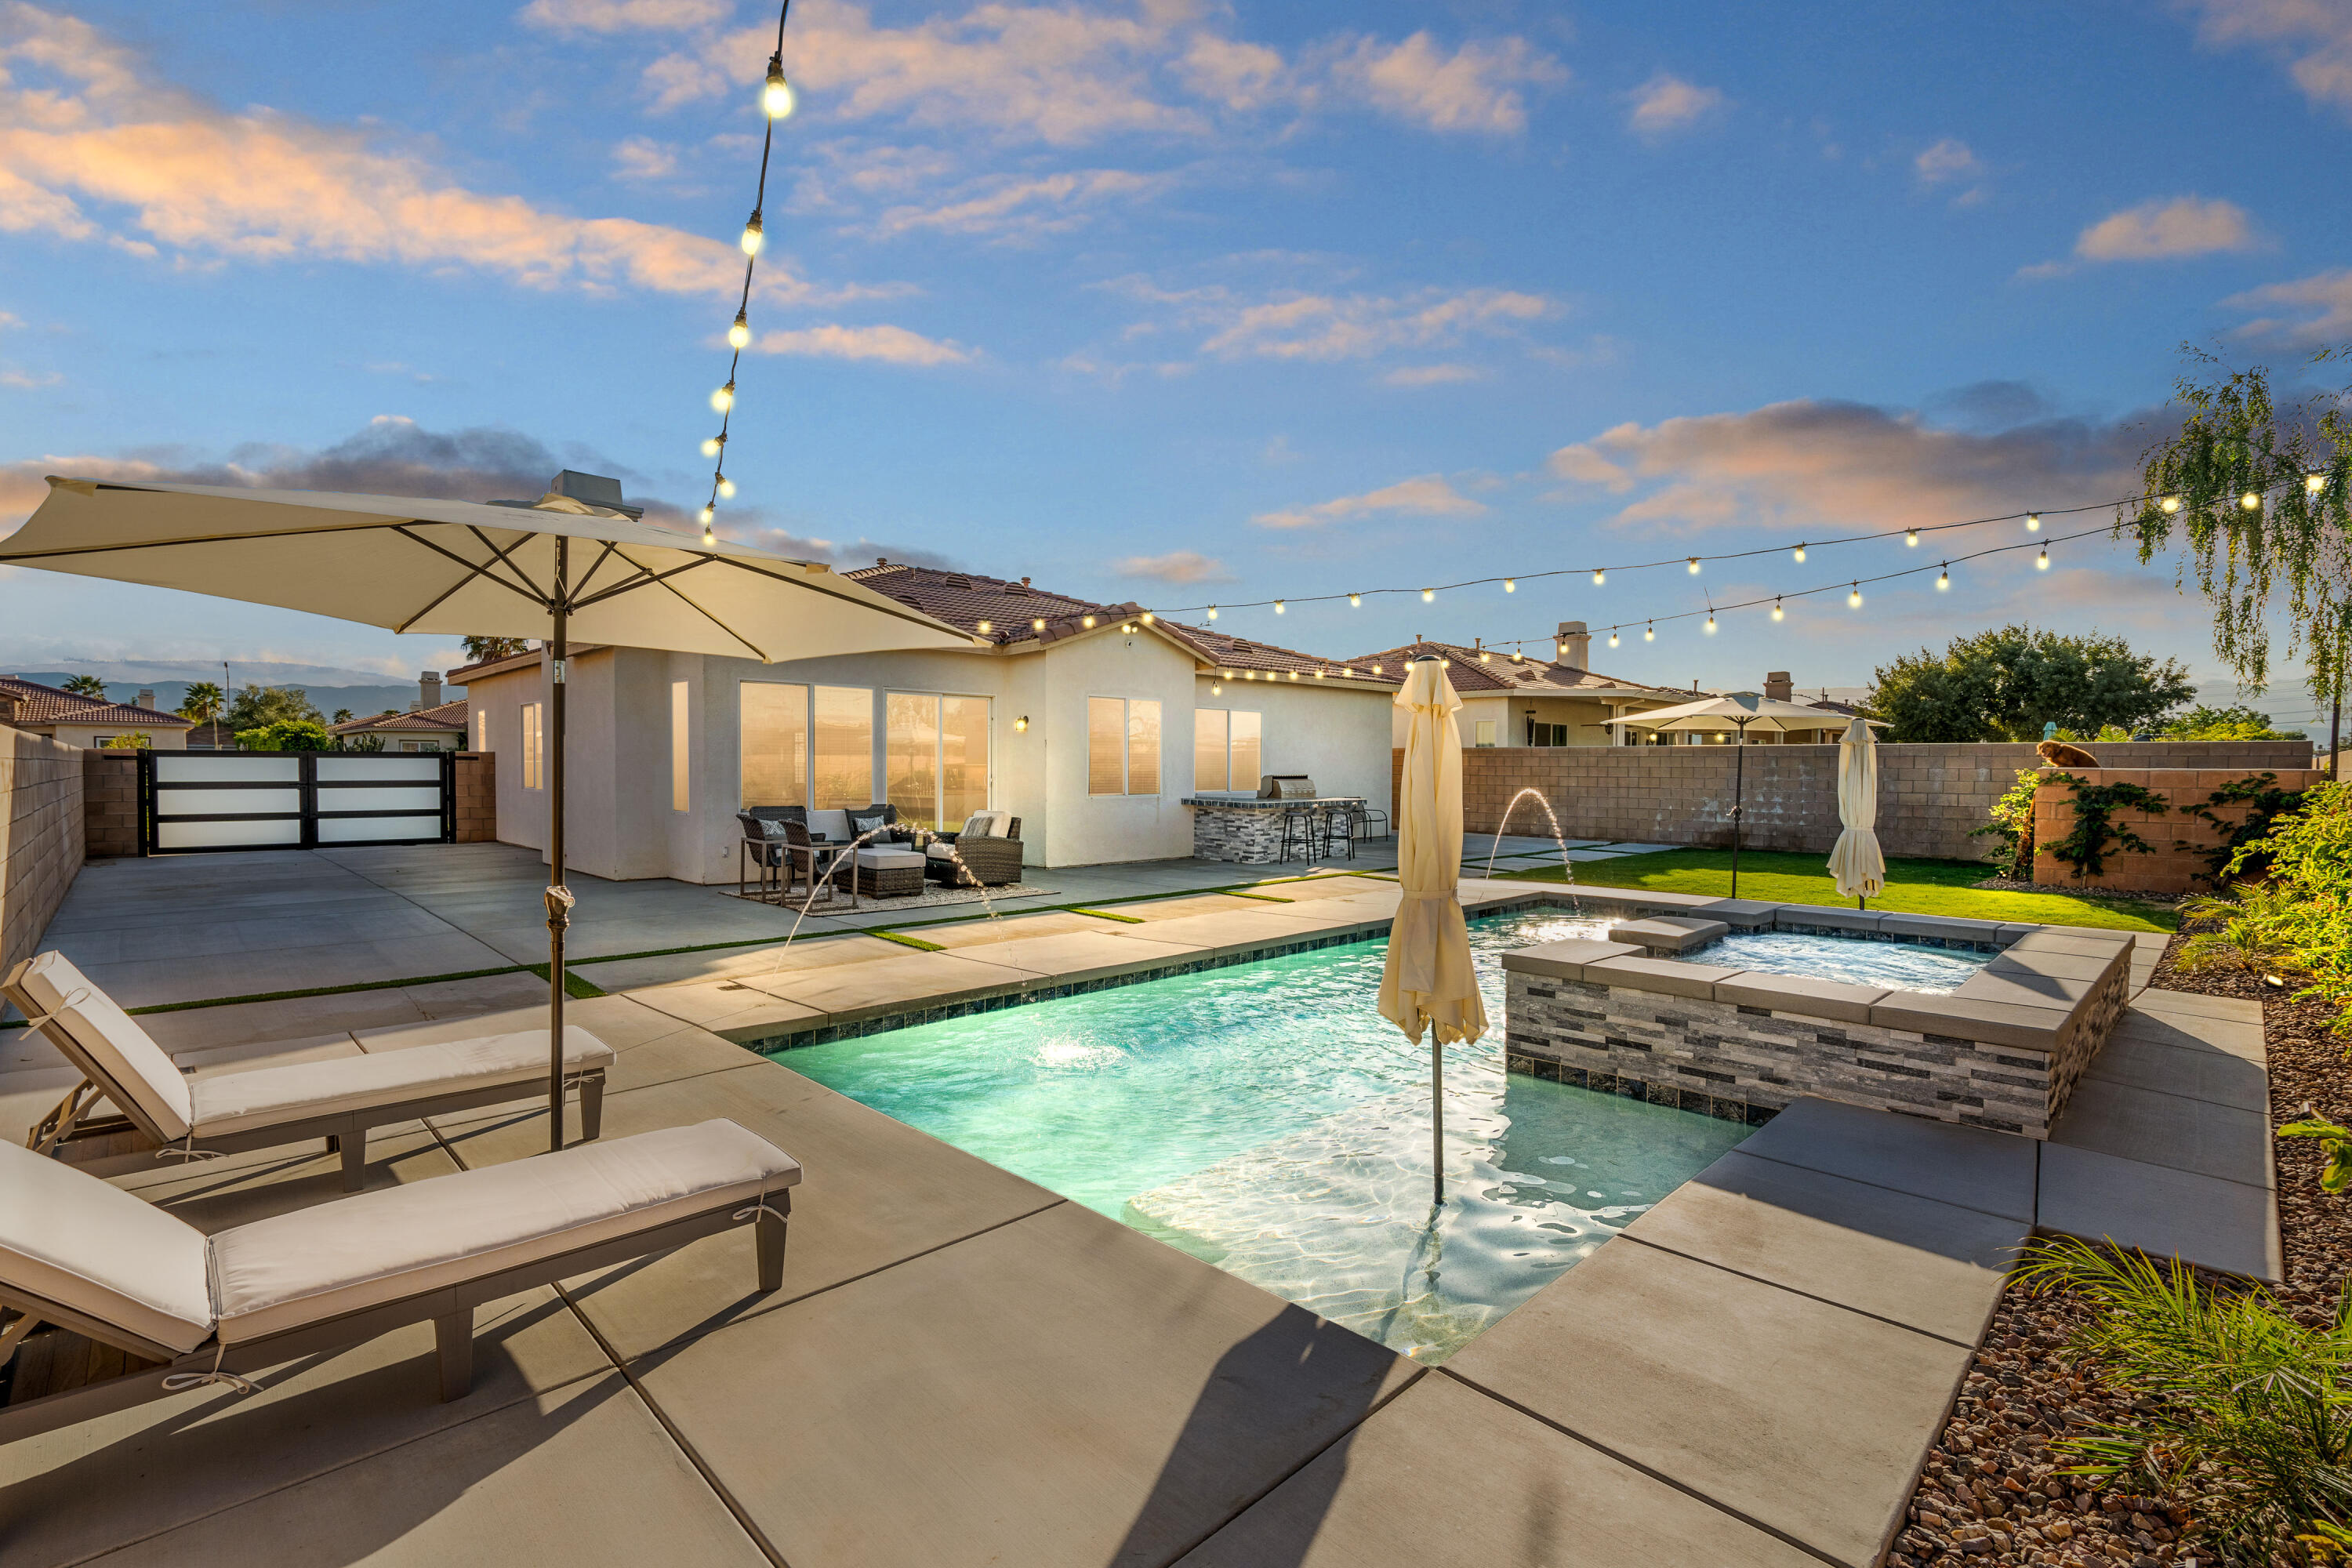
(2004, 1051)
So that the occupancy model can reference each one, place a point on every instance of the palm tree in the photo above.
(202, 705)
(89, 686)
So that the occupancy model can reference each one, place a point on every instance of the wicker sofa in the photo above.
(988, 848)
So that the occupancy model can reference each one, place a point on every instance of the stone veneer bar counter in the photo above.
(2004, 1051)
(1247, 829)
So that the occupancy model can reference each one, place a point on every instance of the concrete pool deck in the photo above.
(962, 1367)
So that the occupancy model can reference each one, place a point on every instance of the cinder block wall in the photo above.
(2178, 841)
(41, 842)
(478, 797)
(110, 803)
(1929, 797)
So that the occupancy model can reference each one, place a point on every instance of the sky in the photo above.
(1185, 302)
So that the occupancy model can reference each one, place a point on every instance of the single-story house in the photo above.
(87, 721)
(1089, 722)
(429, 725)
(1509, 699)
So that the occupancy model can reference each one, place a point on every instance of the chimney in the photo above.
(1574, 645)
(428, 688)
(147, 698)
(1775, 686)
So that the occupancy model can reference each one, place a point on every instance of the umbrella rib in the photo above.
(506, 555)
(476, 569)
(697, 610)
(438, 600)
(603, 556)
(645, 577)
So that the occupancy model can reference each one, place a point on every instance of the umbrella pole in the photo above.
(1739, 787)
(1437, 1112)
(559, 896)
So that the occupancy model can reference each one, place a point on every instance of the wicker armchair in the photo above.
(818, 863)
(889, 814)
(762, 850)
(988, 861)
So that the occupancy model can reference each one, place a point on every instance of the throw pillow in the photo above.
(860, 826)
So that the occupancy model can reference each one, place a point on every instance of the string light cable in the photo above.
(776, 102)
(1909, 534)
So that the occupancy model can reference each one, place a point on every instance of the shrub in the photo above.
(2013, 824)
(2264, 801)
(2228, 1392)
(285, 735)
(2248, 936)
(130, 740)
(2310, 854)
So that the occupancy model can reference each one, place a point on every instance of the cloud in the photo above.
(643, 158)
(27, 379)
(2159, 229)
(1947, 162)
(1667, 103)
(2319, 308)
(1429, 496)
(1327, 327)
(84, 129)
(2313, 37)
(1177, 569)
(1474, 89)
(1849, 465)
(1430, 374)
(1019, 209)
(624, 16)
(893, 345)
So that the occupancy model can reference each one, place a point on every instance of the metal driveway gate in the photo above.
(191, 800)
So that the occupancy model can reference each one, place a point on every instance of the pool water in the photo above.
(1897, 965)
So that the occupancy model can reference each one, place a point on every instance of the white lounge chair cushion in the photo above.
(987, 825)
(119, 1055)
(69, 1237)
(887, 860)
(265, 1097)
(364, 1251)
(940, 851)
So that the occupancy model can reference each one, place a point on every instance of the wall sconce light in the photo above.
(1021, 724)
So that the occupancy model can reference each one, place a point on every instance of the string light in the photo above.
(1354, 601)
(1911, 538)
(776, 101)
(1087, 622)
(2252, 500)
(1613, 641)
(2172, 503)
(1428, 595)
(1853, 600)
(1944, 578)
(1215, 690)
(986, 626)
(1148, 617)
(1798, 553)
(2313, 483)
(2032, 522)
(1277, 607)
(2042, 563)
(1710, 623)
(1599, 577)
(1510, 584)
(1776, 611)
(1213, 611)
(1650, 633)
(1694, 565)
(1038, 625)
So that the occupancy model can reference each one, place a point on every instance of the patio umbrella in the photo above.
(1429, 983)
(1735, 712)
(566, 567)
(1859, 868)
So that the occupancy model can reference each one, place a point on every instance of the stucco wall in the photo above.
(41, 837)
(1930, 796)
(160, 736)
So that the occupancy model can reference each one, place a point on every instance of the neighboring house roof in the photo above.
(39, 704)
(216, 736)
(440, 720)
(1475, 670)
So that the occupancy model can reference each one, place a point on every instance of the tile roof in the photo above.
(447, 716)
(1476, 670)
(1006, 612)
(39, 704)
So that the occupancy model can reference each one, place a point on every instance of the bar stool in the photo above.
(1299, 830)
(1335, 824)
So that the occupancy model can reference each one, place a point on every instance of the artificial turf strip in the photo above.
(904, 941)
(1913, 886)
(1261, 898)
(576, 986)
(1107, 915)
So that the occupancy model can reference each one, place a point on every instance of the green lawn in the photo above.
(1913, 886)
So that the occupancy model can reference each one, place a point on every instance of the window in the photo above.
(532, 741)
(1122, 746)
(774, 720)
(1541, 734)
(935, 757)
(843, 773)
(1486, 733)
(679, 798)
(1224, 750)
(482, 731)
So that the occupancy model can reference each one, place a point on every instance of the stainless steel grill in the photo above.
(1285, 786)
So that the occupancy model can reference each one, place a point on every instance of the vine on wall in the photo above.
(2086, 848)
(2265, 804)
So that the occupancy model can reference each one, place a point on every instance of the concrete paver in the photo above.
(2198, 1071)
(2162, 1211)
(2168, 1130)
(1966, 1166)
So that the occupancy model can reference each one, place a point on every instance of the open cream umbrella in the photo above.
(1859, 868)
(574, 564)
(1429, 983)
(1735, 712)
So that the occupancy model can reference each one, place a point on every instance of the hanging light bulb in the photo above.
(1613, 641)
(2042, 564)
(1277, 607)
(1486, 656)
(2313, 483)
(2171, 503)
(776, 99)
(724, 398)
(1650, 632)
(1911, 536)
(1038, 625)
(1694, 565)
(1776, 611)
(753, 238)
(1710, 623)
(708, 536)
(1354, 601)
(1853, 600)
(705, 517)
(1598, 576)
(1944, 578)
(1798, 553)
(2032, 522)
(1510, 584)
(740, 333)
(1087, 622)
(726, 488)
(1428, 595)
(712, 446)
(986, 626)
(1559, 651)
(1213, 611)
(1148, 617)
(2252, 500)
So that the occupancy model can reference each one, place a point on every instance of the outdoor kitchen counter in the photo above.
(1246, 828)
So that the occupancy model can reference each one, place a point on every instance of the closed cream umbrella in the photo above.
(574, 564)
(1429, 985)
(1859, 868)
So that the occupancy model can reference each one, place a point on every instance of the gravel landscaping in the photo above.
(1995, 1489)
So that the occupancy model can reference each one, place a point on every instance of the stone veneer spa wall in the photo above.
(2004, 1051)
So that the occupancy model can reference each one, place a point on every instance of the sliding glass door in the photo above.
(936, 757)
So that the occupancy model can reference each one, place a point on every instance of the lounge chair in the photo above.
(264, 1107)
(86, 1256)
(985, 852)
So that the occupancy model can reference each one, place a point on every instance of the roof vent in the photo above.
(594, 489)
